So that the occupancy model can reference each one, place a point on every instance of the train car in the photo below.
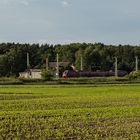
(69, 73)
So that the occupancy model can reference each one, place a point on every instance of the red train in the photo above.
(69, 73)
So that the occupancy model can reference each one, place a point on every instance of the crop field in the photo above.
(70, 112)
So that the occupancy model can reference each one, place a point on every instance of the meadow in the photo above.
(70, 112)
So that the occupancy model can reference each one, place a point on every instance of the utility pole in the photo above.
(47, 63)
(116, 67)
(136, 57)
(28, 63)
(81, 62)
(57, 69)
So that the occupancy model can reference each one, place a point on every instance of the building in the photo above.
(36, 73)
(31, 73)
(53, 65)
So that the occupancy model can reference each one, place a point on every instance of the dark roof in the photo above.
(54, 64)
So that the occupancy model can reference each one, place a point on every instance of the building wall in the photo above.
(36, 75)
(24, 75)
(31, 74)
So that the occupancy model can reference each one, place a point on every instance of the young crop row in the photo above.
(67, 125)
(65, 102)
(55, 113)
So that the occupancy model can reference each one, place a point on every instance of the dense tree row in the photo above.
(95, 56)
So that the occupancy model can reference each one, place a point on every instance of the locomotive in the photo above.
(69, 73)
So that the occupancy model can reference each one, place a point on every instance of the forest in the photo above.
(96, 56)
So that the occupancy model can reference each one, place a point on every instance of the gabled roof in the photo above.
(54, 64)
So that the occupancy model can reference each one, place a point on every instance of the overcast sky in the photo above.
(65, 21)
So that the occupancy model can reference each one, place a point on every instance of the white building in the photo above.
(31, 73)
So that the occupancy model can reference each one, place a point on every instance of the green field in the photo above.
(42, 112)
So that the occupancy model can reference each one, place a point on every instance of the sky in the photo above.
(69, 21)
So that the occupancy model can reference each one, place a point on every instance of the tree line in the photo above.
(95, 56)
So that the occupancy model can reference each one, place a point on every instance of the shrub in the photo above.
(29, 80)
(46, 75)
(134, 75)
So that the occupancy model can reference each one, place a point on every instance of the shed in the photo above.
(31, 73)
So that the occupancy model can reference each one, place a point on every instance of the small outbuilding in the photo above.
(31, 73)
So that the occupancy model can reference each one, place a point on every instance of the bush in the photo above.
(46, 75)
(30, 80)
(134, 75)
